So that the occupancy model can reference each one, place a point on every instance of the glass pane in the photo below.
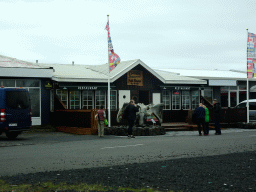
(233, 88)
(242, 87)
(233, 99)
(252, 106)
(224, 89)
(7, 82)
(242, 96)
(224, 99)
(17, 99)
(35, 102)
(27, 83)
(208, 95)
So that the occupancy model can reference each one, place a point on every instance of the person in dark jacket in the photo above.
(216, 113)
(131, 116)
(200, 116)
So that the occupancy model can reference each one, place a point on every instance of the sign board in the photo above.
(87, 88)
(135, 77)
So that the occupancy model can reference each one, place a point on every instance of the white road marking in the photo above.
(252, 135)
(122, 146)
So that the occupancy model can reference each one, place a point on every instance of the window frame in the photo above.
(87, 95)
(168, 94)
(173, 96)
(182, 98)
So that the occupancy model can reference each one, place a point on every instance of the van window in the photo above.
(252, 106)
(17, 99)
(241, 105)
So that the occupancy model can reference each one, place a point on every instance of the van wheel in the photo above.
(12, 135)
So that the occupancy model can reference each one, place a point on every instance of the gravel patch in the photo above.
(231, 172)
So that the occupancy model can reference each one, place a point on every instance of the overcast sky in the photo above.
(198, 34)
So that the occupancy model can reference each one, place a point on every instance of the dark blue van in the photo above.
(15, 111)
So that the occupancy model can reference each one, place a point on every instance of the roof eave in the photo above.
(186, 82)
(65, 79)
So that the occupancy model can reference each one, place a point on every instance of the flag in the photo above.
(113, 58)
(251, 55)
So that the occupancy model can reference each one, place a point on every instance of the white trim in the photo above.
(222, 82)
(130, 67)
(36, 120)
(26, 72)
(172, 99)
(189, 100)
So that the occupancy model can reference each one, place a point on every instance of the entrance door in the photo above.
(144, 97)
(124, 97)
(156, 98)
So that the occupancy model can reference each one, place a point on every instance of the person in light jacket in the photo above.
(206, 123)
(100, 116)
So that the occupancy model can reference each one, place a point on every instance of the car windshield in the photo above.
(17, 99)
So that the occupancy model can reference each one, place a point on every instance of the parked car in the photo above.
(252, 108)
(15, 111)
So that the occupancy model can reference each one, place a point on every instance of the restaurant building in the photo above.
(228, 87)
(85, 87)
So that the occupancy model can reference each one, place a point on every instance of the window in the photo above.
(252, 106)
(87, 102)
(7, 82)
(74, 99)
(233, 99)
(231, 96)
(35, 101)
(208, 94)
(27, 83)
(185, 100)
(224, 96)
(166, 99)
(195, 99)
(242, 93)
(176, 100)
(17, 98)
(100, 98)
(63, 95)
(113, 99)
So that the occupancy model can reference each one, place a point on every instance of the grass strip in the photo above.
(49, 186)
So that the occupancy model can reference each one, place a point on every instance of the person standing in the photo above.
(200, 116)
(216, 113)
(100, 116)
(206, 121)
(131, 116)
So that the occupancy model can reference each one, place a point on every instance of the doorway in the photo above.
(144, 97)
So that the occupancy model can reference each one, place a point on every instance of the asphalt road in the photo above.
(40, 152)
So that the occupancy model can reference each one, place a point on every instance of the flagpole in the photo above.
(247, 80)
(109, 112)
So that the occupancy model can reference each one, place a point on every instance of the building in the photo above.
(85, 87)
(229, 87)
(15, 73)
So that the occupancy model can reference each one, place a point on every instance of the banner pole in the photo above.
(247, 81)
(109, 112)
